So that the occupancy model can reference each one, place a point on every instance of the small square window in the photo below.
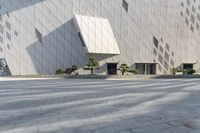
(125, 5)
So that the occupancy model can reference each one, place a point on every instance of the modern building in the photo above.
(153, 36)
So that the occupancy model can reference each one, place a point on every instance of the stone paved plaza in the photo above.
(100, 106)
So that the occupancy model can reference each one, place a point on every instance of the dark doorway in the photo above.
(188, 66)
(146, 68)
(152, 69)
(112, 68)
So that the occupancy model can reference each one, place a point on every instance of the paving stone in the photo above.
(100, 106)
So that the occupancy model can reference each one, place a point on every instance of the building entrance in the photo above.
(146, 68)
(112, 68)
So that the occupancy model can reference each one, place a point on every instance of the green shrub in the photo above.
(92, 65)
(59, 71)
(184, 71)
(191, 71)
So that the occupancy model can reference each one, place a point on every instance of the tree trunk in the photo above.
(92, 71)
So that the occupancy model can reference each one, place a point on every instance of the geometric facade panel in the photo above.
(96, 35)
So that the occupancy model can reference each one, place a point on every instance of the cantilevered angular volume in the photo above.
(96, 35)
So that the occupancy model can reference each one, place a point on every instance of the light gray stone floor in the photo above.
(100, 106)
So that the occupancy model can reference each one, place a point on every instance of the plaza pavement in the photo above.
(100, 106)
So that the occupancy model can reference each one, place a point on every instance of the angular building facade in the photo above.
(153, 36)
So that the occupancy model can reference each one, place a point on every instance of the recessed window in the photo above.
(191, 28)
(197, 25)
(160, 58)
(187, 21)
(1, 18)
(1, 29)
(166, 65)
(8, 46)
(8, 36)
(167, 47)
(16, 33)
(38, 35)
(167, 56)
(1, 50)
(161, 39)
(81, 39)
(187, 11)
(1, 39)
(8, 25)
(182, 4)
(7, 14)
(125, 5)
(155, 52)
(188, 2)
(192, 18)
(161, 49)
(181, 14)
(198, 16)
(193, 9)
(172, 53)
(155, 42)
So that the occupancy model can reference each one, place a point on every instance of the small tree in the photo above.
(92, 65)
(123, 68)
